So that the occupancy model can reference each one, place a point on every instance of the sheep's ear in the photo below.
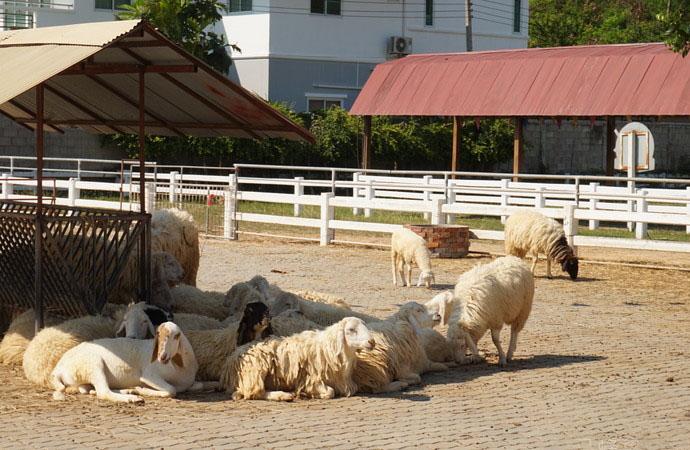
(340, 342)
(442, 311)
(121, 332)
(177, 360)
(413, 321)
(154, 355)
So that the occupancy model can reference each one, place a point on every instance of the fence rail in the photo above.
(210, 194)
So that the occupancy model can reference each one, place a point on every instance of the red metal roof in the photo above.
(600, 80)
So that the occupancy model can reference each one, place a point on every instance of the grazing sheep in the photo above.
(440, 307)
(486, 298)
(189, 299)
(398, 358)
(174, 231)
(46, 349)
(141, 320)
(213, 347)
(409, 249)
(18, 336)
(314, 364)
(529, 232)
(159, 367)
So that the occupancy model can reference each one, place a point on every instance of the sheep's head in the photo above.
(260, 284)
(166, 268)
(353, 333)
(140, 321)
(166, 344)
(239, 295)
(283, 302)
(416, 315)
(426, 278)
(440, 307)
(255, 323)
(292, 314)
(570, 265)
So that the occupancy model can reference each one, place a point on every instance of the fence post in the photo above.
(539, 201)
(228, 210)
(299, 192)
(631, 206)
(426, 194)
(436, 209)
(687, 227)
(355, 191)
(593, 202)
(450, 218)
(79, 169)
(369, 196)
(172, 194)
(11, 165)
(641, 227)
(505, 183)
(327, 214)
(72, 191)
(150, 198)
(7, 187)
(570, 225)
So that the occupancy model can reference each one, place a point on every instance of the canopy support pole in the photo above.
(366, 144)
(457, 137)
(610, 145)
(144, 261)
(38, 238)
(517, 148)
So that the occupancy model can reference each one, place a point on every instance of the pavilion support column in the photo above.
(517, 148)
(457, 138)
(145, 242)
(610, 145)
(366, 144)
(38, 238)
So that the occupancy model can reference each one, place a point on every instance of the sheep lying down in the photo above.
(159, 367)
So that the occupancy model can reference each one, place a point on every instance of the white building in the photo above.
(315, 53)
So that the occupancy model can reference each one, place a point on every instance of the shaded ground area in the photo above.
(602, 364)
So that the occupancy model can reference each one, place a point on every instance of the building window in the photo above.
(16, 21)
(239, 5)
(318, 104)
(429, 13)
(516, 16)
(111, 4)
(325, 7)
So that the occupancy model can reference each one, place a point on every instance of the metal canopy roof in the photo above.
(90, 73)
(589, 81)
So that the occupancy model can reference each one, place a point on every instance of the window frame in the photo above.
(428, 13)
(324, 6)
(517, 17)
(324, 98)
(242, 7)
(113, 7)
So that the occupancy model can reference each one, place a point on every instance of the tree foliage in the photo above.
(187, 22)
(676, 20)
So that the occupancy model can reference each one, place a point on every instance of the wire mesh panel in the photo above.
(84, 254)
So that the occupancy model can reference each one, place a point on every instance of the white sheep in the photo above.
(191, 300)
(48, 346)
(531, 233)
(159, 367)
(486, 298)
(19, 334)
(398, 357)
(407, 250)
(441, 307)
(313, 364)
(175, 231)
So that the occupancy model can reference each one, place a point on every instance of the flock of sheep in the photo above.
(257, 341)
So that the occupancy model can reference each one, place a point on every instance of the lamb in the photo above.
(189, 299)
(159, 367)
(313, 364)
(408, 249)
(174, 231)
(51, 343)
(486, 298)
(213, 347)
(398, 357)
(529, 232)
(141, 320)
(440, 307)
(18, 336)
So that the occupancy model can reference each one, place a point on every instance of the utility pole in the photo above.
(468, 24)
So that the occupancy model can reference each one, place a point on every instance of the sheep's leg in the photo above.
(513, 343)
(103, 392)
(436, 367)
(410, 378)
(199, 386)
(496, 337)
(395, 386)
(155, 381)
(278, 396)
(408, 273)
(548, 267)
(534, 263)
(144, 391)
(394, 265)
(476, 357)
(324, 392)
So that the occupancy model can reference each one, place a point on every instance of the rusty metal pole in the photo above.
(144, 254)
(366, 144)
(457, 136)
(38, 240)
(517, 148)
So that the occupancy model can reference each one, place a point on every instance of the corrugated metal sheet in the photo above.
(201, 102)
(604, 80)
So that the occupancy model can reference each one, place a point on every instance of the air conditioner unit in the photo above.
(399, 45)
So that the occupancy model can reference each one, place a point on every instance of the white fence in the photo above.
(436, 195)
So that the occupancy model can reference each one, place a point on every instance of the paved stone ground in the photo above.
(602, 364)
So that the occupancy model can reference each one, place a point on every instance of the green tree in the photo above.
(187, 22)
(676, 20)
